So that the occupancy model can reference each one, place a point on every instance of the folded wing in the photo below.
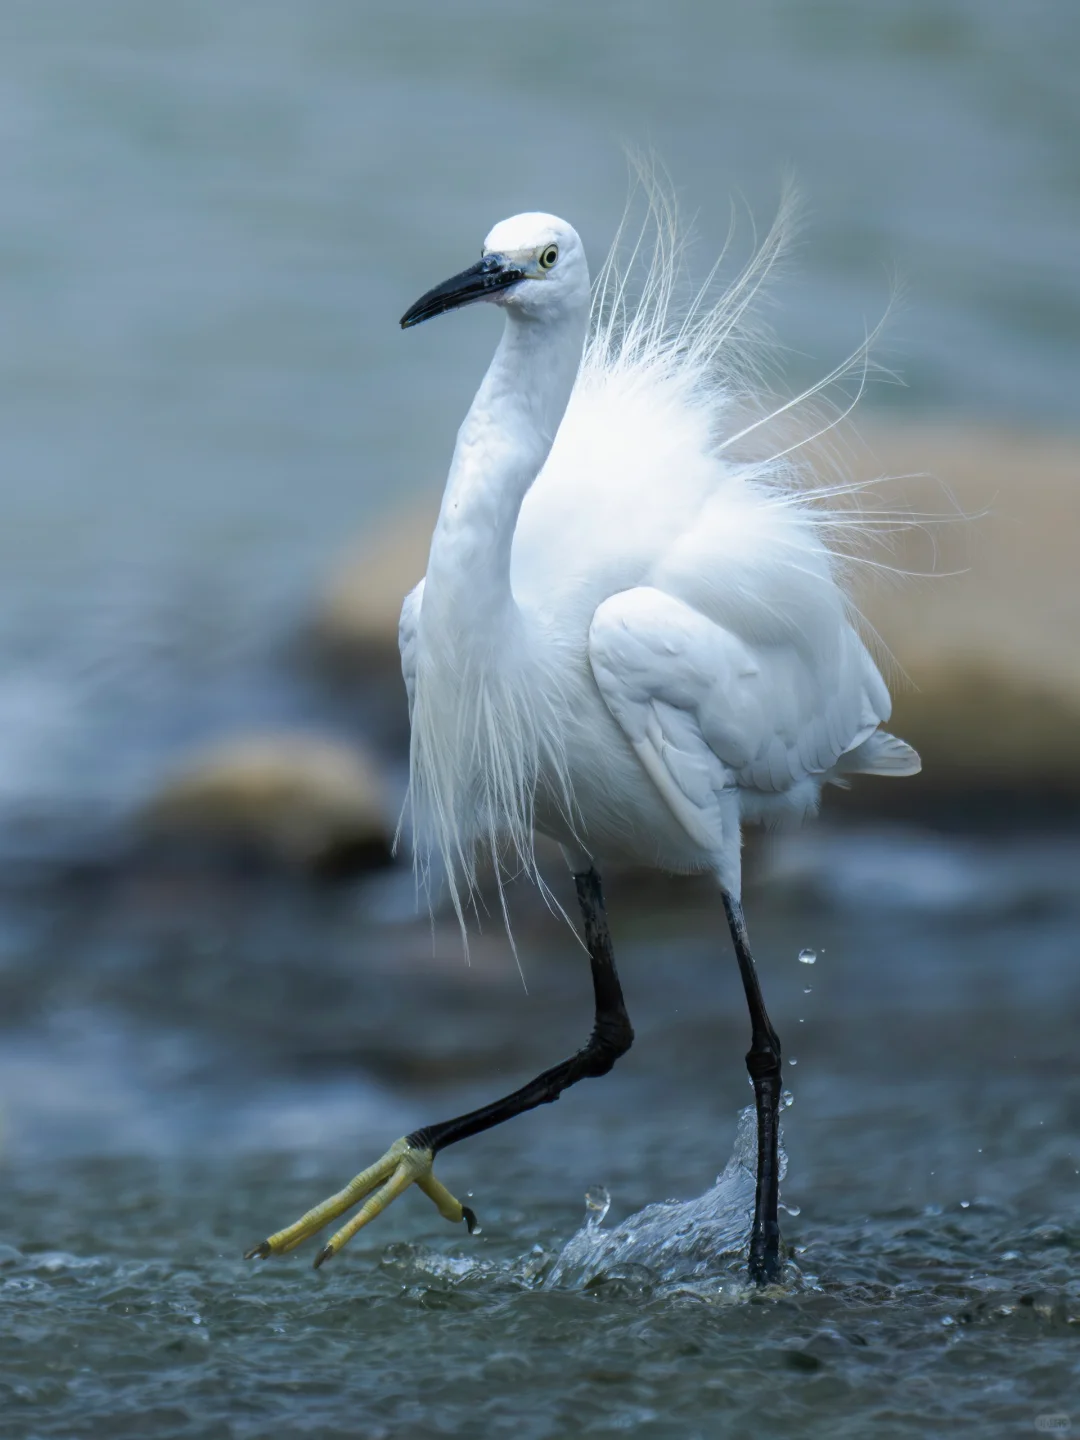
(711, 716)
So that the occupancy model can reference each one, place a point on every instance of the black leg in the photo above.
(409, 1160)
(612, 1036)
(763, 1063)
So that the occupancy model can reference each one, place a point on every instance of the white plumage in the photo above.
(631, 637)
(628, 638)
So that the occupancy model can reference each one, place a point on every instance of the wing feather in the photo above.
(709, 714)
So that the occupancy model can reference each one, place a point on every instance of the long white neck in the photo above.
(501, 448)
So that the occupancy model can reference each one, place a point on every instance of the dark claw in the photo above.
(258, 1252)
(470, 1219)
(326, 1253)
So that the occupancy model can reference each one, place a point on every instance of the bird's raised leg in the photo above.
(763, 1063)
(409, 1160)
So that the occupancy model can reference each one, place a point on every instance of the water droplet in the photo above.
(807, 957)
(1010, 1254)
(597, 1204)
(787, 1099)
(965, 1204)
(792, 1060)
(947, 1320)
(791, 1209)
(807, 989)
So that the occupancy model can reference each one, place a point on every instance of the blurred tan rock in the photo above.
(301, 801)
(356, 618)
(982, 623)
(986, 674)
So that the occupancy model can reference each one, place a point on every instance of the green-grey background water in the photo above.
(212, 216)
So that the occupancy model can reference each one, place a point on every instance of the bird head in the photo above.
(533, 265)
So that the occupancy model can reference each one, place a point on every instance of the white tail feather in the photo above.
(881, 754)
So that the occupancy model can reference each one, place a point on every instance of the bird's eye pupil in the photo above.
(550, 255)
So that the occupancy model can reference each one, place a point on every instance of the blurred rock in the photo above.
(984, 631)
(356, 619)
(301, 801)
(978, 604)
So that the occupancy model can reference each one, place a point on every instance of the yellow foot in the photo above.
(400, 1167)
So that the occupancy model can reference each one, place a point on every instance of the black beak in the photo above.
(492, 273)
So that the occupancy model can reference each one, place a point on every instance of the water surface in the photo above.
(194, 1064)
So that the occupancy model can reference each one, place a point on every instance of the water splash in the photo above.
(676, 1241)
(597, 1205)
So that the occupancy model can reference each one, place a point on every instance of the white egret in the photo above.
(627, 639)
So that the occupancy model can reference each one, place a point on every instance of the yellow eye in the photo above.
(548, 257)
